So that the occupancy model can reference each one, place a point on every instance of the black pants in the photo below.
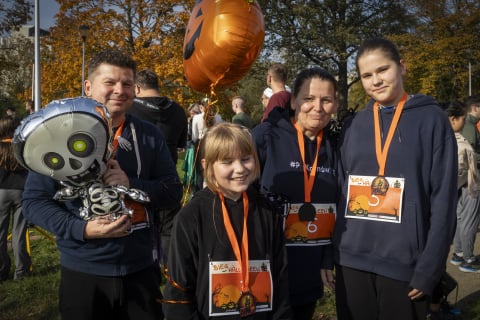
(89, 297)
(364, 295)
(304, 311)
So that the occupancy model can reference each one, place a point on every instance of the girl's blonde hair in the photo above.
(223, 141)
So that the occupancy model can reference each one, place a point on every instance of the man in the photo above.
(108, 272)
(468, 206)
(166, 114)
(170, 118)
(240, 117)
(277, 76)
(470, 130)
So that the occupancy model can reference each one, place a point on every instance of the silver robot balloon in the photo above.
(70, 140)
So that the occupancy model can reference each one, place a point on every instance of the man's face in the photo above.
(114, 87)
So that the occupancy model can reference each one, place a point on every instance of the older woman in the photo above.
(297, 160)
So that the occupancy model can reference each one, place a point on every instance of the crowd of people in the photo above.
(279, 211)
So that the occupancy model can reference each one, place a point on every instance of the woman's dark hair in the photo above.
(309, 73)
(386, 46)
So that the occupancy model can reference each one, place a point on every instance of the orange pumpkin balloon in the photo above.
(223, 39)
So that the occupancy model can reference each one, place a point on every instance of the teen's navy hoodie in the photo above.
(423, 151)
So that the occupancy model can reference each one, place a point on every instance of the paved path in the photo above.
(468, 283)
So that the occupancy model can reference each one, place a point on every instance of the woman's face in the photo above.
(314, 105)
(381, 77)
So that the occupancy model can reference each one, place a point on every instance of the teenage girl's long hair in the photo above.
(7, 157)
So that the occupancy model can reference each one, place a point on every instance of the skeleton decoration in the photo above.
(70, 140)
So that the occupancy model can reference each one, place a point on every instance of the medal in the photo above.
(246, 304)
(380, 185)
(307, 212)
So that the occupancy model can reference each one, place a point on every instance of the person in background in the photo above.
(266, 95)
(470, 130)
(224, 227)
(468, 209)
(277, 76)
(109, 267)
(10, 112)
(29, 107)
(200, 125)
(188, 166)
(201, 122)
(170, 118)
(12, 181)
(193, 110)
(456, 112)
(240, 117)
(396, 215)
(163, 112)
(298, 163)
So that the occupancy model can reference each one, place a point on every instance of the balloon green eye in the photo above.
(53, 161)
(81, 145)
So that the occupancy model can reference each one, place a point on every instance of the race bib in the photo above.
(225, 287)
(313, 232)
(376, 199)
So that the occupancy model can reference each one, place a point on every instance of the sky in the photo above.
(48, 9)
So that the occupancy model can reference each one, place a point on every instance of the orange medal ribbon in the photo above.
(382, 154)
(118, 133)
(242, 257)
(308, 180)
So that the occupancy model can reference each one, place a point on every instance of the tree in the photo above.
(439, 49)
(328, 33)
(151, 31)
(13, 14)
(16, 61)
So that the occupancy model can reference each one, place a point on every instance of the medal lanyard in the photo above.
(382, 154)
(307, 180)
(118, 133)
(242, 257)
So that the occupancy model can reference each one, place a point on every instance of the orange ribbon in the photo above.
(118, 133)
(308, 180)
(242, 257)
(382, 154)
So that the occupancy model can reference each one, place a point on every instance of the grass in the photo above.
(36, 297)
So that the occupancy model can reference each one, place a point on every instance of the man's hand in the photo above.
(115, 175)
(107, 228)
